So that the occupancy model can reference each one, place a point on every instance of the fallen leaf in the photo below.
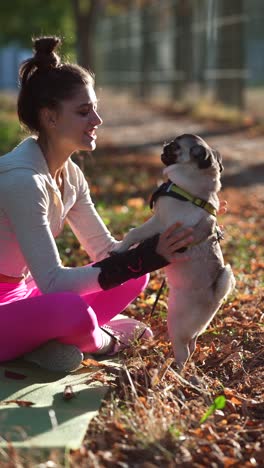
(92, 363)
(18, 402)
(235, 401)
(136, 202)
(98, 377)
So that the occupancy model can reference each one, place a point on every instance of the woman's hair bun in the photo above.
(45, 82)
(45, 55)
(44, 59)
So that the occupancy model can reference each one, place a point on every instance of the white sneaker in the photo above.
(124, 332)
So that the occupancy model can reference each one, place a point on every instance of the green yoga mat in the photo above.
(51, 421)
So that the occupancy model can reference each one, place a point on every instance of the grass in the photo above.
(207, 109)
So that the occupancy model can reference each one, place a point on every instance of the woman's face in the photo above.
(76, 121)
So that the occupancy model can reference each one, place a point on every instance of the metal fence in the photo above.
(185, 51)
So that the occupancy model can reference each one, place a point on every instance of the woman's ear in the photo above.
(47, 118)
(219, 159)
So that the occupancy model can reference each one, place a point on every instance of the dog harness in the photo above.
(172, 190)
(169, 189)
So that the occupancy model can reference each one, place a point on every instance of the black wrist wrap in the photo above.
(121, 267)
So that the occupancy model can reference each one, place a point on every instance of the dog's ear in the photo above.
(219, 159)
(202, 156)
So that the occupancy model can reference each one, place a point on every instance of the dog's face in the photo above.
(188, 148)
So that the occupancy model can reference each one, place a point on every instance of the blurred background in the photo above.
(188, 53)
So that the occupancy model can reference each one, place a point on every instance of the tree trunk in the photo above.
(145, 54)
(230, 61)
(86, 14)
(183, 47)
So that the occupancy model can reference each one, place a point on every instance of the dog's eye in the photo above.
(172, 146)
(198, 151)
(175, 145)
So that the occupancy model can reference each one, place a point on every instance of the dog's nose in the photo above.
(173, 145)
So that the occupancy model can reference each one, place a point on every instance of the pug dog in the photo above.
(198, 286)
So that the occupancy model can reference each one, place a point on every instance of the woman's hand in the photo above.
(222, 207)
(172, 240)
(222, 210)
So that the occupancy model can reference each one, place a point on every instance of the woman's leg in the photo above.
(28, 323)
(107, 304)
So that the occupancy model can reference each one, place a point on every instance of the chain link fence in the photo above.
(186, 51)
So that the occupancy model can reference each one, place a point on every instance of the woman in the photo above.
(50, 314)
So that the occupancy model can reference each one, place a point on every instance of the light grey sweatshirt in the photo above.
(32, 214)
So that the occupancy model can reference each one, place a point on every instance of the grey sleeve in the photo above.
(88, 226)
(26, 204)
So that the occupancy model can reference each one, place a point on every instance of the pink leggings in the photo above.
(29, 318)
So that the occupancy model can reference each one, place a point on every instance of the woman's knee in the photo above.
(68, 300)
(80, 325)
(139, 284)
(73, 308)
(144, 281)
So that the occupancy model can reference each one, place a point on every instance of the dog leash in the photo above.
(155, 303)
(157, 297)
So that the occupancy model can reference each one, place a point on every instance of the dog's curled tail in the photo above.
(224, 283)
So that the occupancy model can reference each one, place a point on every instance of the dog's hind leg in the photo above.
(181, 352)
(192, 345)
(224, 283)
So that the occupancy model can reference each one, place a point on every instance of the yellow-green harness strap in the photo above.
(172, 190)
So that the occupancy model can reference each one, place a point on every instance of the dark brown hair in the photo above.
(45, 81)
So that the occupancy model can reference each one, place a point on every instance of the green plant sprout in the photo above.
(219, 403)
